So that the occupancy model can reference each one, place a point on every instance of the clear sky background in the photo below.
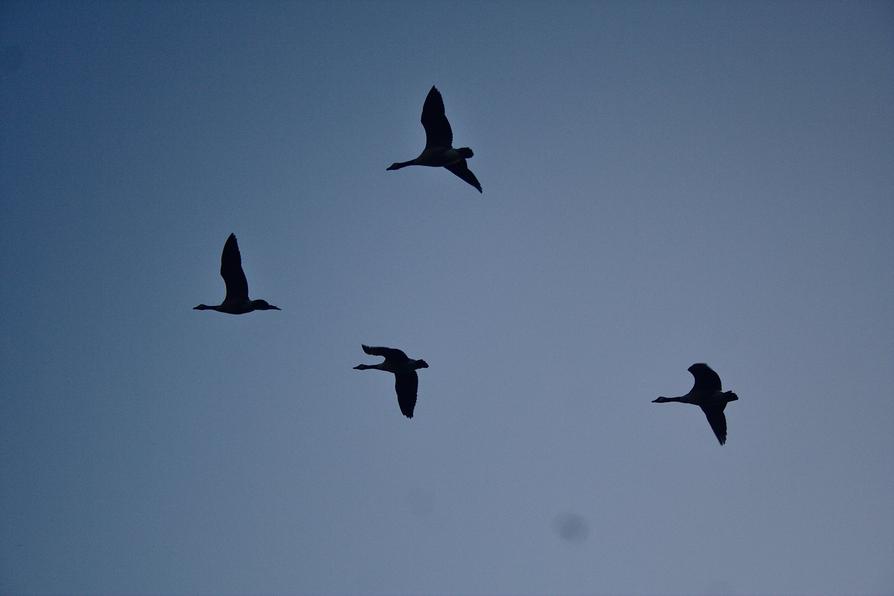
(664, 183)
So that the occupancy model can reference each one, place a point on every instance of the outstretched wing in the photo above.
(387, 353)
(406, 384)
(707, 382)
(437, 128)
(462, 170)
(231, 272)
(717, 420)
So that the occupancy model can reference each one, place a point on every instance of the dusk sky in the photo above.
(664, 183)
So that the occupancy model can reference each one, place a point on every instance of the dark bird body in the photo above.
(236, 301)
(439, 151)
(406, 382)
(707, 393)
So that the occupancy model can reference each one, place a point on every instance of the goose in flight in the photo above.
(439, 151)
(236, 301)
(405, 379)
(707, 394)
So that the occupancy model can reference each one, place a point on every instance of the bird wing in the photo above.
(717, 420)
(707, 382)
(231, 272)
(462, 170)
(387, 353)
(437, 128)
(406, 384)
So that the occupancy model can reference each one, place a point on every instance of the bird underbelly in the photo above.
(438, 157)
(236, 308)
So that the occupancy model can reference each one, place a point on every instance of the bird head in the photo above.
(201, 307)
(421, 364)
(263, 305)
(660, 400)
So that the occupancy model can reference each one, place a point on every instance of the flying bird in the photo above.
(236, 301)
(707, 394)
(439, 151)
(406, 381)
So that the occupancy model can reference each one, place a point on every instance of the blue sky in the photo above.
(664, 183)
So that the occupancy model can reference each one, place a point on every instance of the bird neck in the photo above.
(662, 400)
(402, 164)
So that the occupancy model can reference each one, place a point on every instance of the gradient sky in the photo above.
(664, 183)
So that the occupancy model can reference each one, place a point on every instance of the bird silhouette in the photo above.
(406, 381)
(236, 301)
(439, 151)
(706, 393)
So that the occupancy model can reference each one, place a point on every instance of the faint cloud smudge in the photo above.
(572, 527)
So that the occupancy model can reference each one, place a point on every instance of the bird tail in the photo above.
(465, 152)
